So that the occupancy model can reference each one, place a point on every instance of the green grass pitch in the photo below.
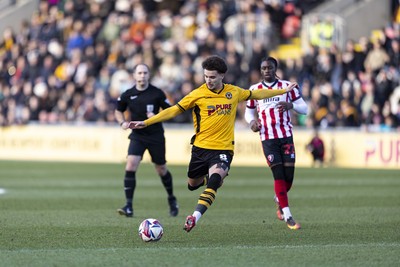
(64, 214)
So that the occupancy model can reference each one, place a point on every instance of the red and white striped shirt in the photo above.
(274, 124)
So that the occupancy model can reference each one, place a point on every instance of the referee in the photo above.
(143, 101)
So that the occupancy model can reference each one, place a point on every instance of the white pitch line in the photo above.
(2, 191)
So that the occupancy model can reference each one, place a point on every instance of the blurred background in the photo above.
(63, 63)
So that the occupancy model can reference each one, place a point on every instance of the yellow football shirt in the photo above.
(214, 115)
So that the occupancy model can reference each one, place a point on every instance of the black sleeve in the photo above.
(164, 101)
(122, 104)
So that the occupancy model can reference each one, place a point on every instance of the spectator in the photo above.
(376, 58)
(348, 116)
(74, 40)
(292, 23)
(394, 53)
(317, 149)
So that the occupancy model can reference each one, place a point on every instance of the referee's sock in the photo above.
(167, 182)
(129, 186)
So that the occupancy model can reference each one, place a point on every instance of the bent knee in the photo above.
(194, 184)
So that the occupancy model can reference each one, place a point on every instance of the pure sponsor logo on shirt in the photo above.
(220, 109)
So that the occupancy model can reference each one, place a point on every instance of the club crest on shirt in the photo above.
(270, 158)
(228, 95)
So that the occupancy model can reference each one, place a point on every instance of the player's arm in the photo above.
(251, 118)
(164, 115)
(264, 93)
(299, 105)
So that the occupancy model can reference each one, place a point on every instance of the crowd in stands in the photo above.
(71, 60)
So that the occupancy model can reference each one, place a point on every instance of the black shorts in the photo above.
(156, 149)
(202, 159)
(279, 150)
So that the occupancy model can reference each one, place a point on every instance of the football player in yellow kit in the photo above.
(214, 106)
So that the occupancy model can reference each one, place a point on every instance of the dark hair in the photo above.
(215, 63)
(272, 60)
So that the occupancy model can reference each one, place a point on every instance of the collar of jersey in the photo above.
(223, 86)
(272, 85)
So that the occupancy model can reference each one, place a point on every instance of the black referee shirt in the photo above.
(139, 103)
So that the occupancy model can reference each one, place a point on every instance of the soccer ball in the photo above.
(150, 230)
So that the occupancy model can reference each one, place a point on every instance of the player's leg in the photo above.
(194, 184)
(157, 153)
(207, 197)
(289, 159)
(289, 174)
(280, 186)
(197, 170)
(220, 163)
(135, 153)
(272, 154)
(280, 158)
(217, 173)
(281, 199)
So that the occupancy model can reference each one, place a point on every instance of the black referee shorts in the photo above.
(156, 148)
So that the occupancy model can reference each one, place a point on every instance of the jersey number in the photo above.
(223, 157)
(288, 149)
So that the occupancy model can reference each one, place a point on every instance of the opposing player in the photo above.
(144, 100)
(273, 121)
(214, 107)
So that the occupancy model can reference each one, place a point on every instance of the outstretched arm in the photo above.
(164, 115)
(264, 93)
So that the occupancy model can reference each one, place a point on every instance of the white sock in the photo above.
(197, 215)
(286, 213)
